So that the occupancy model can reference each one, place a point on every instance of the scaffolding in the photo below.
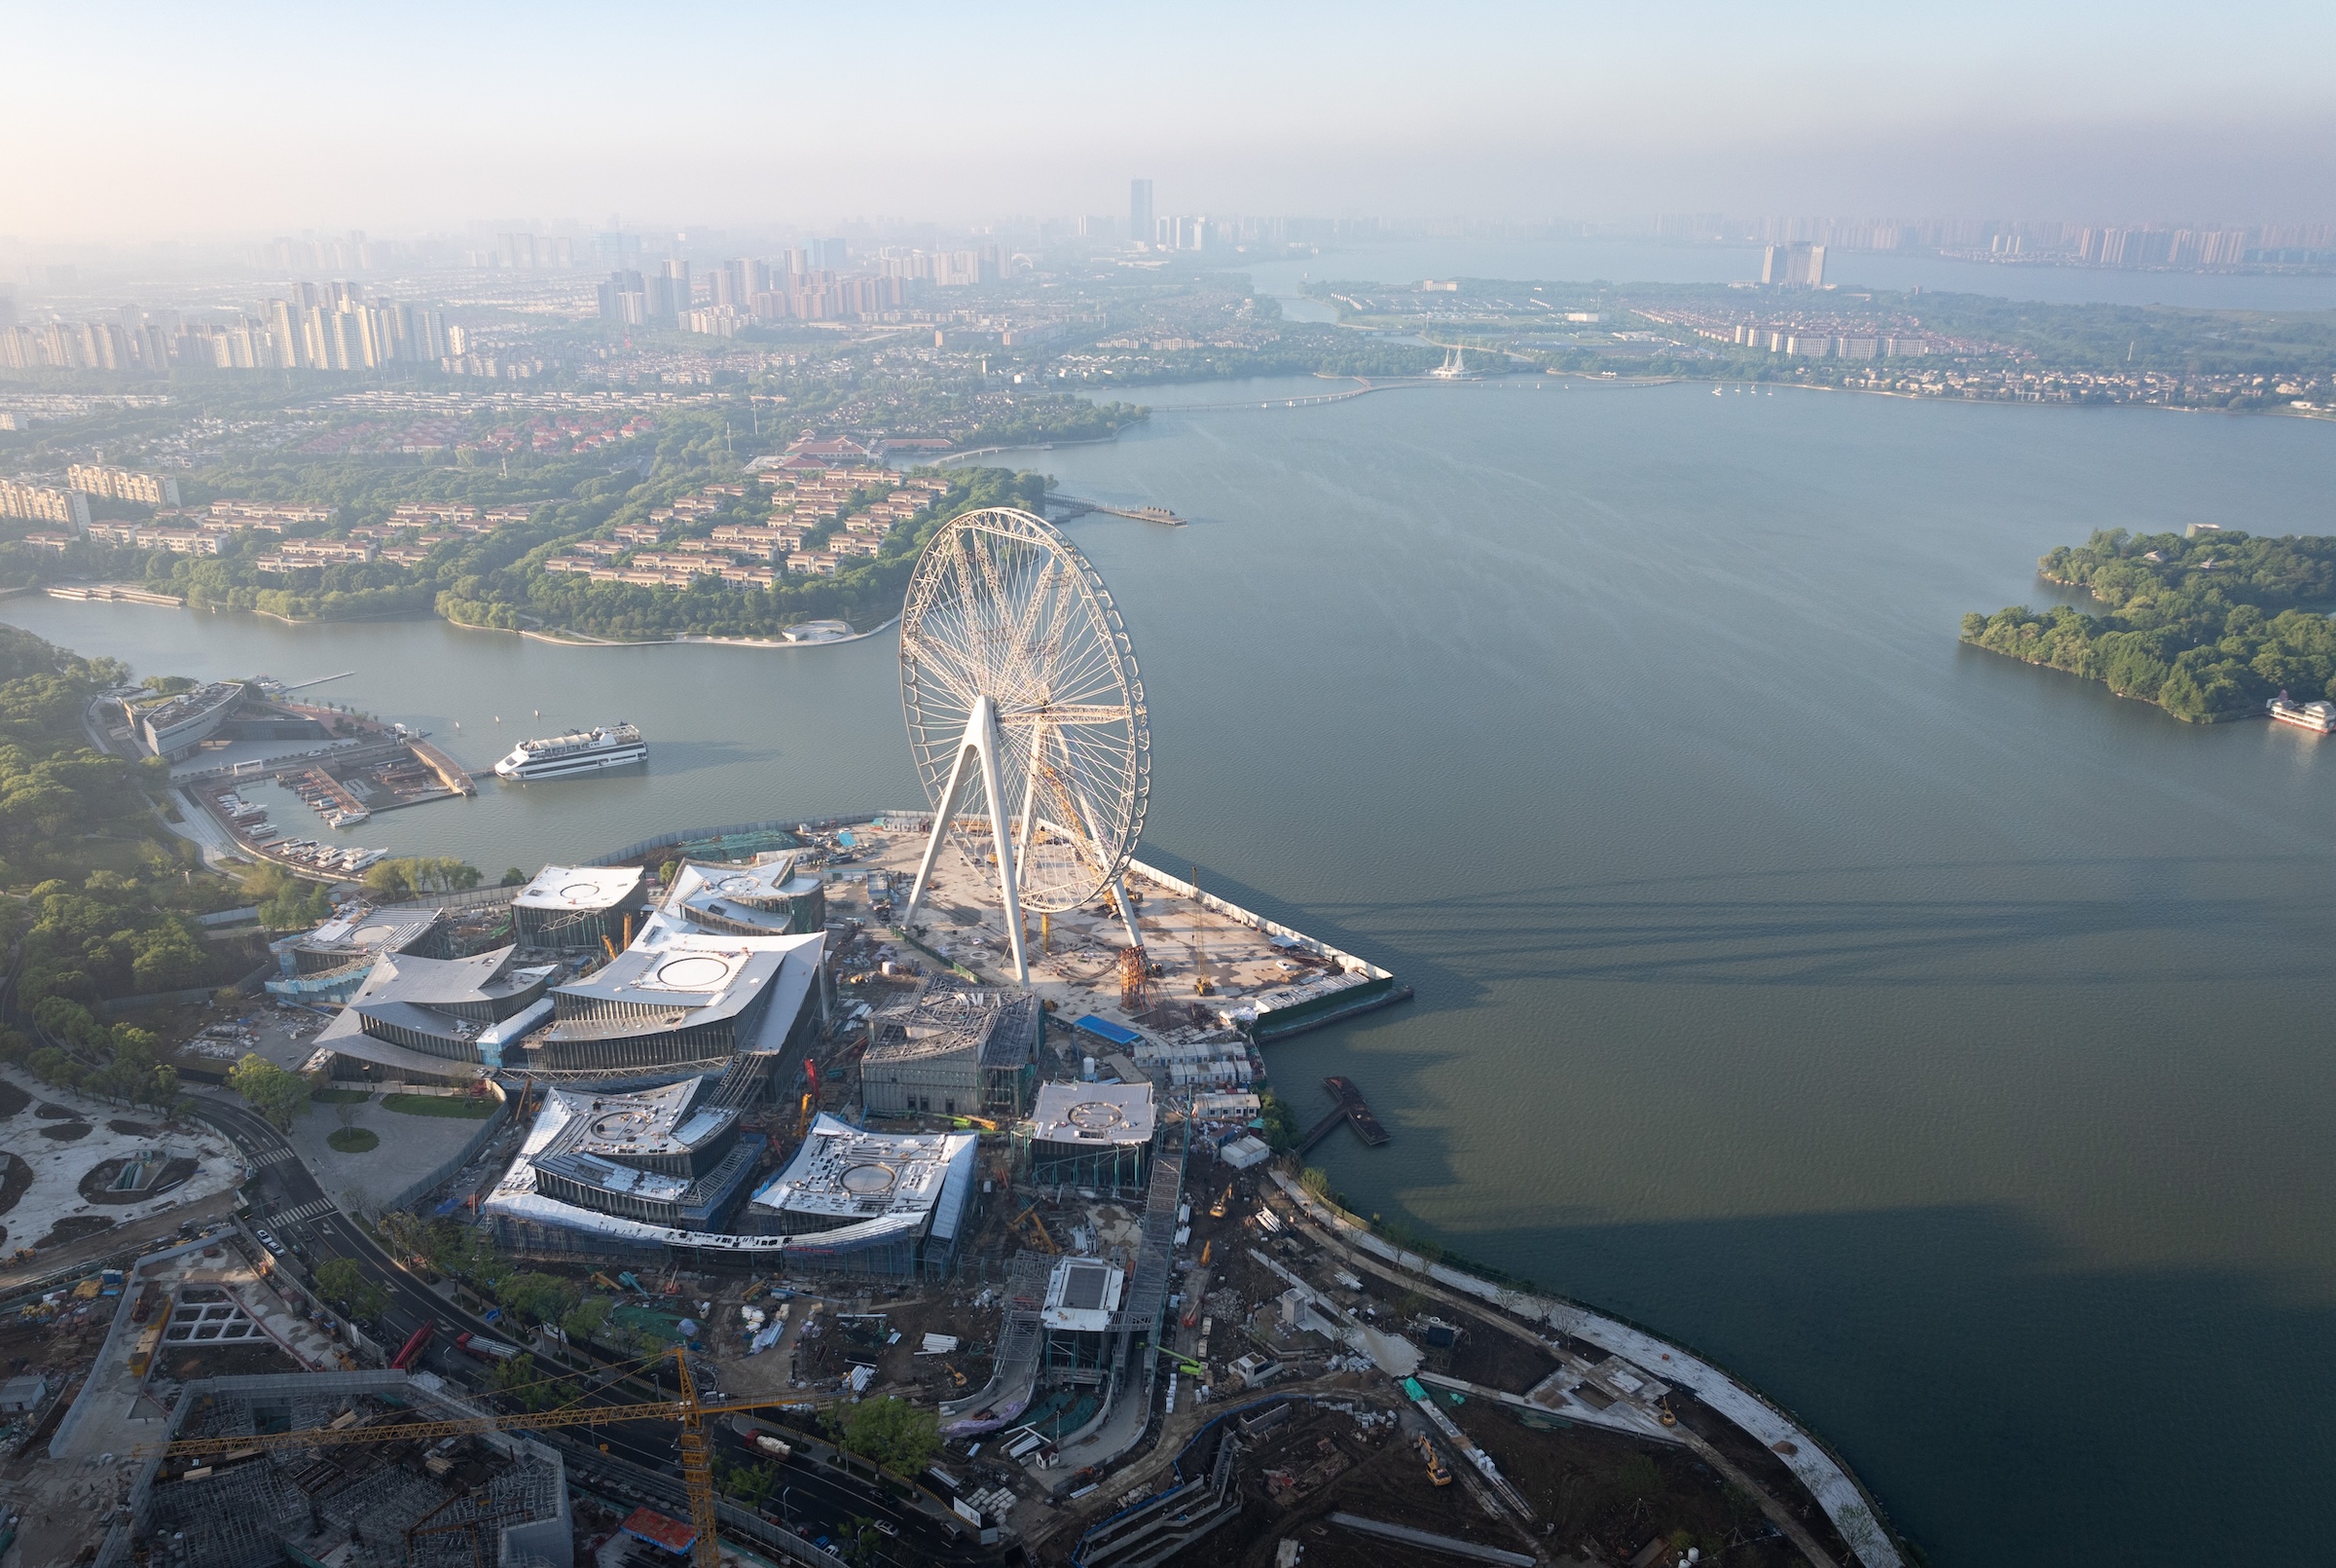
(366, 1505)
(1135, 981)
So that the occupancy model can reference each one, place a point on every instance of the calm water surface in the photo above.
(1937, 1041)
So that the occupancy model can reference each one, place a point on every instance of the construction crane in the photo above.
(697, 1454)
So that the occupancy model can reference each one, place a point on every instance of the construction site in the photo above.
(899, 1188)
(388, 1492)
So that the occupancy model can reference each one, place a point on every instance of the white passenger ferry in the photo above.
(2318, 717)
(610, 745)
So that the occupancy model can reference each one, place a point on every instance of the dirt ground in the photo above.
(1602, 1488)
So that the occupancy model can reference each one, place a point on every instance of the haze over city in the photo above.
(142, 123)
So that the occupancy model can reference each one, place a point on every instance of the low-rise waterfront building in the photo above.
(436, 1020)
(679, 997)
(576, 908)
(175, 728)
(766, 898)
(663, 1156)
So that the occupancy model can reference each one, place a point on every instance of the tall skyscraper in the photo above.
(1139, 211)
(830, 255)
(1799, 264)
(287, 336)
(625, 299)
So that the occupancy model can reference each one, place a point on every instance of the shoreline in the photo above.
(579, 640)
(1828, 1479)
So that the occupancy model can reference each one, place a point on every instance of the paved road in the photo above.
(819, 1499)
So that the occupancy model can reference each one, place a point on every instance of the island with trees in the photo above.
(2208, 625)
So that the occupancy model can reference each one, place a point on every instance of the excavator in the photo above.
(1037, 1226)
(1438, 1474)
(1217, 1209)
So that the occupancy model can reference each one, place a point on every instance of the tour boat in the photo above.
(609, 746)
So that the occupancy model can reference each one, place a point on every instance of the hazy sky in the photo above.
(139, 122)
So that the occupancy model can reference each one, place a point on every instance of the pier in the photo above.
(449, 772)
(1071, 506)
(1351, 1109)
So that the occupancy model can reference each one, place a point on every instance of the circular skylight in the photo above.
(695, 971)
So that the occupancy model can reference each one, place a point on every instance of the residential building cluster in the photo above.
(122, 484)
(1813, 334)
(2138, 245)
(2164, 248)
(36, 503)
(750, 290)
(298, 555)
(1819, 342)
(83, 346)
(317, 329)
(179, 539)
(867, 504)
(272, 517)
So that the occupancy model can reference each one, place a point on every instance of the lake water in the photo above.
(1937, 1041)
(1625, 261)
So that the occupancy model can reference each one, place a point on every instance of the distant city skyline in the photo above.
(2077, 111)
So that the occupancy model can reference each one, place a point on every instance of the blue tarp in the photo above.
(1104, 1029)
(846, 839)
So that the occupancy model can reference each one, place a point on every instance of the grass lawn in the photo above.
(431, 1104)
(354, 1140)
(341, 1097)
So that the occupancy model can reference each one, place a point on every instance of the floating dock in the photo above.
(1351, 1109)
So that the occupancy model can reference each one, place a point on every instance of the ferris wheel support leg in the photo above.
(1127, 911)
(982, 733)
(940, 831)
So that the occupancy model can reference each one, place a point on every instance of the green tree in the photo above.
(518, 1379)
(340, 1281)
(899, 1435)
(275, 1094)
(748, 1483)
(588, 1318)
(539, 1298)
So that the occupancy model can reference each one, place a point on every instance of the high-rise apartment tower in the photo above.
(1139, 211)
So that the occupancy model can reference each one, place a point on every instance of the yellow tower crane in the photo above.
(697, 1454)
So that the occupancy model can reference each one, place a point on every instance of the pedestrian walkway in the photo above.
(314, 1209)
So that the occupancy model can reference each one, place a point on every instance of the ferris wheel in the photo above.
(1025, 715)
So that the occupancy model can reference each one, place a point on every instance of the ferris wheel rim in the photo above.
(1003, 606)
